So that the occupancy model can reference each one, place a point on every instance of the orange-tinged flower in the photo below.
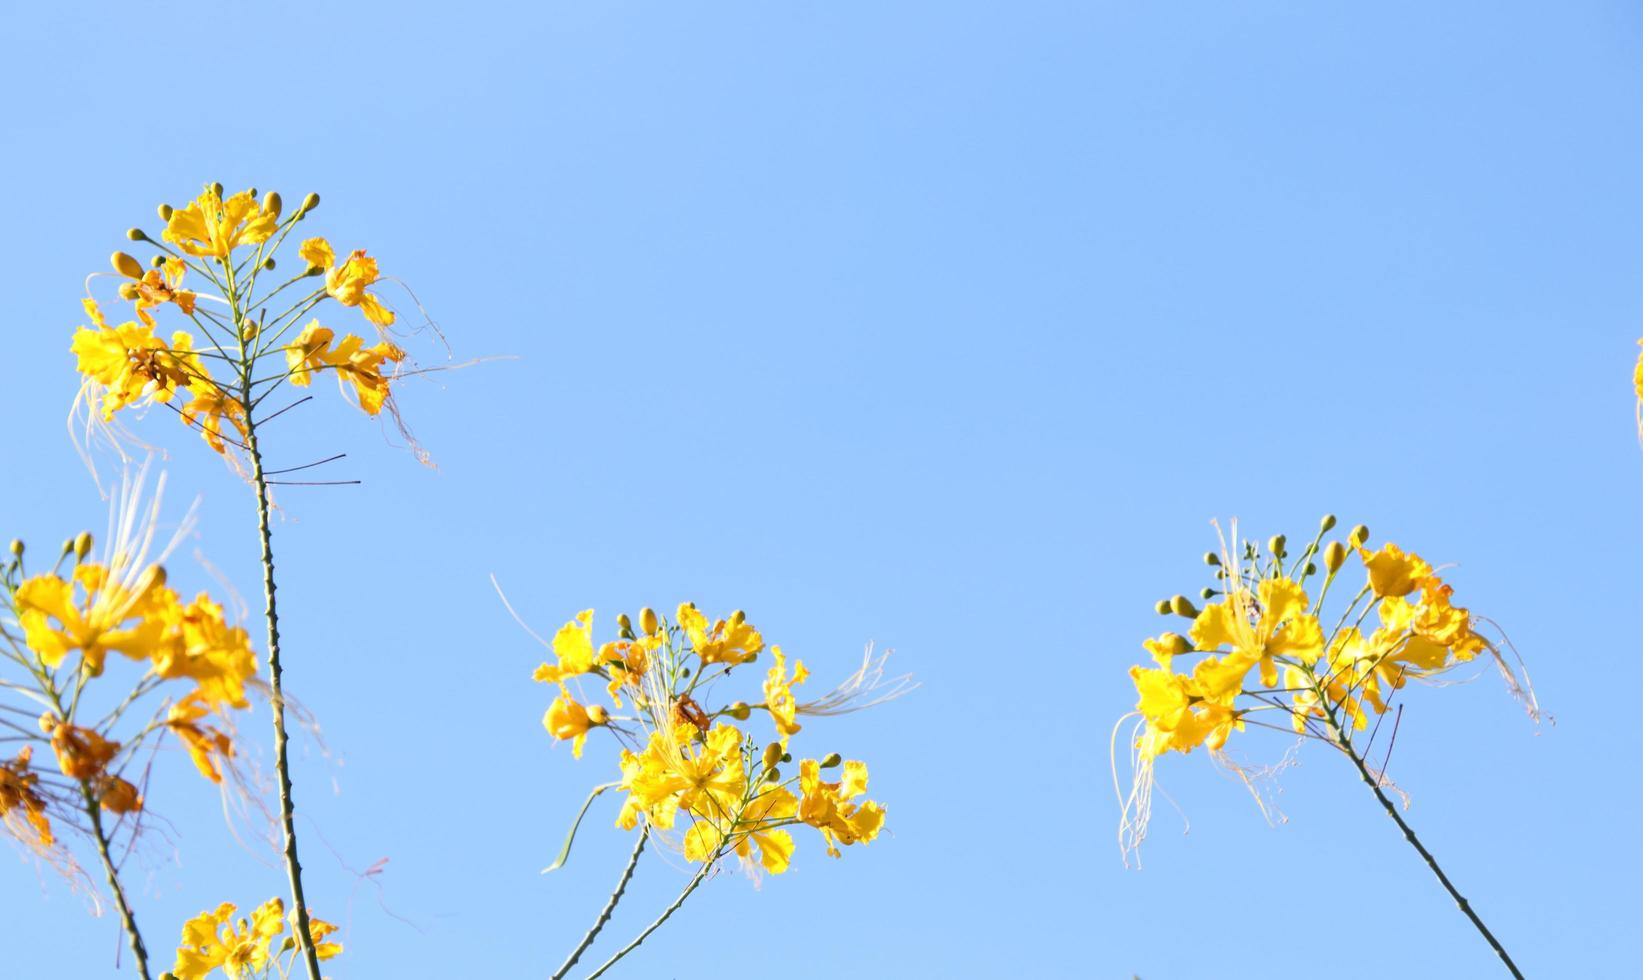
(346, 283)
(207, 410)
(206, 745)
(22, 808)
(350, 358)
(1393, 573)
(81, 752)
(118, 796)
(128, 364)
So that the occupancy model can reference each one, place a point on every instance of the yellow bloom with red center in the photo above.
(573, 644)
(346, 283)
(22, 808)
(240, 948)
(213, 227)
(350, 359)
(778, 694)
(731, 642)
(155, 286)
(129, 364)
(830, 807)
(568, 720)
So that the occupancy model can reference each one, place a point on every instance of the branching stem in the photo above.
(610, 906)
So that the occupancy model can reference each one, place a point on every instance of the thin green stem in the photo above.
(610, 906)
(695, 882)
(127, 920)
(276, 699)
(1391, 809)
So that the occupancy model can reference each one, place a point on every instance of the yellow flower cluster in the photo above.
(244, 948)
(1264, 623)
(226, 243)
(683, 762)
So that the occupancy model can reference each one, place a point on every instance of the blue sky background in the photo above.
(946, 326)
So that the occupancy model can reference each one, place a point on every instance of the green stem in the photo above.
(276, 699)
(127, 920)
(610, 906)
(1374, 785)
(630, 947)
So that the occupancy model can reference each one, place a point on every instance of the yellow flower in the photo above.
(200, 645)
(829, 808)
(757, 825)
(683, 769)
(213, 940)
(118, 796)
(129, 364)
(318, 930)
(351, 359)
(205, 744)
(346, 282)
(1184, 712)
(53, 623)
(81, 752)
(778, 694)
(157, 286)
(207, 410)
(733, 642)
(574, 646)
(214, 227)
(17, 793)
(1274, 624)
(627, 661)
(1393, 573)
(568, 720)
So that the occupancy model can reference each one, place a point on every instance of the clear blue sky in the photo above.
(949, 327)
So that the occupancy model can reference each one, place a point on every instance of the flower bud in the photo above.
(1276, 544)
(773, 775)
(1358, 537)
(739, 711)
(309, 203)
(833, 759)
(68, 546)
(136, 234)
(126, 266)
(1311, 569)
(597, 714)
(271, 203)
(129, 290)
(1207, 593)
(1162, 607)
(772, 755)
(1182, 606)
(17, 547)
(1211, 558)
(647, 621)
(157, 261)
(624, 623)
(268, 263)
(216, 188)
(1334, 556)
(82, 545)
(153, 577)
(1327, 524)
(737, 618)
(166, 212)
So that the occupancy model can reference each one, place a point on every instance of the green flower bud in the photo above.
(157, 261)
(772, 755)
(1327, 524)
(1311, 569)
(1276, 543)
(1211, 558)
(1182, 606)
(1162, 607)
(82, 545)
(625, 623)
(268, 263)
(833, 759)
(136, 234)
(166, 212)
(1334, 556)
(737, 618)
(1358, 537)
(1207, 593)
(271, 202)
(309, 203)
(773, 775)
(129, 290)
(739, 711)
(17, 547)
(216, 188)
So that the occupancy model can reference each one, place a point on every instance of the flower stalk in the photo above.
(695, 882)
(610, 906)
(128, 921)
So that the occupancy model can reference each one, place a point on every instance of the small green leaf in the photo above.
(570, 838)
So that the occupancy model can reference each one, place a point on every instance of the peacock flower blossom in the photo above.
(110, 615)
(778, 694)
(830, 807)
(127, 364)
(154, 287)
(116, 795)
(683, 769)
(346, 283)
(568, 720)
(730, 642)
(757, 824)
(81, 752)
(22, 807)
(1392, 572)
(212, 227)
(1272, 622)
(210, 748)
(240, 948)
(573, 644)
(207, 411)
(201, 646)
(350, 359)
